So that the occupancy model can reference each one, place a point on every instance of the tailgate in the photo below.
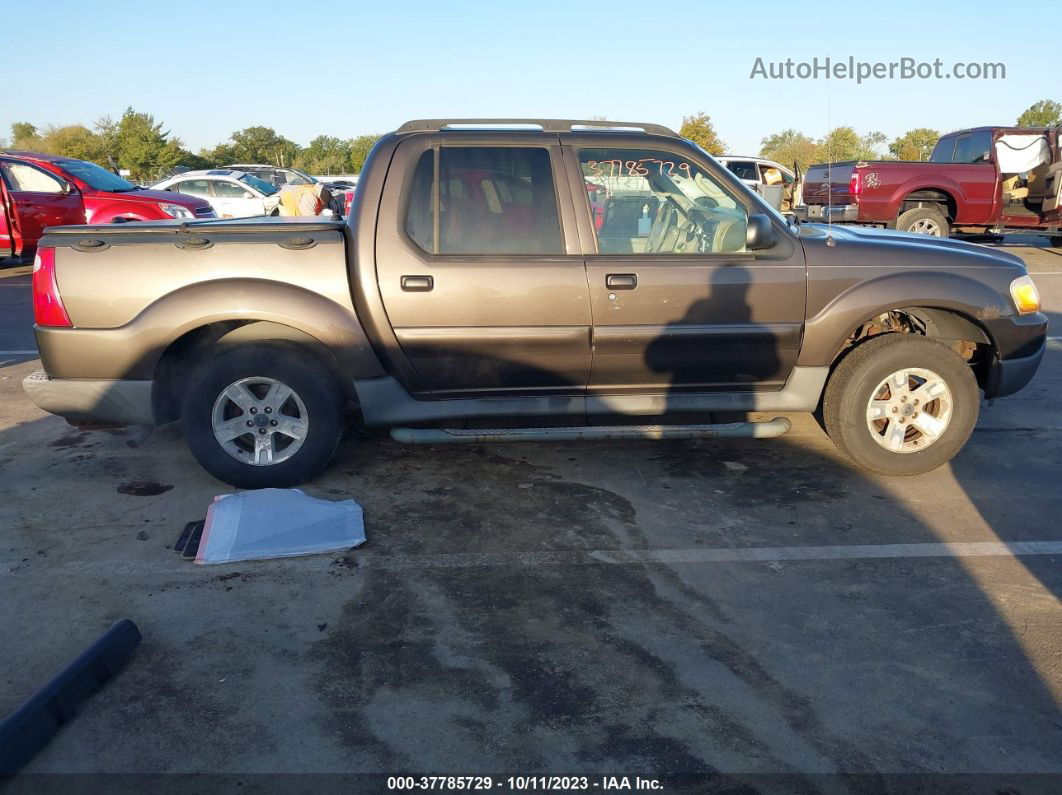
(828, 183)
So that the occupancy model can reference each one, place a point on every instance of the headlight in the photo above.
(1026, 296)
(176, 210)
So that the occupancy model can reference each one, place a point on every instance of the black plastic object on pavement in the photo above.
(188, 542)
(29, 728)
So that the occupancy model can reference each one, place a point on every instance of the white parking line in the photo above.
(721, 555)
(620, 557)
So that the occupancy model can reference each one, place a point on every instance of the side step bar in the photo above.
(746, 430)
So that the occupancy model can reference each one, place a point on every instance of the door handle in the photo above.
(621, 281)
(417, 284)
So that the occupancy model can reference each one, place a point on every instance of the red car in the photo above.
(988, 179)
(38, 191)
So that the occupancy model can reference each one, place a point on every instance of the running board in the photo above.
(732, 430)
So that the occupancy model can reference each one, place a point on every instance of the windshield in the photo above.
(259, 185)
(297, 177)
(95, 176)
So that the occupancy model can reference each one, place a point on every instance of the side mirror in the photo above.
(67, 188)
(759, 233)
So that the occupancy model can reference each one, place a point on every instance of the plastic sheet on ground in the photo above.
(277, 523)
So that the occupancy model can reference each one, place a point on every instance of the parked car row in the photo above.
(232, 193)
(38, 191)
(986, 179)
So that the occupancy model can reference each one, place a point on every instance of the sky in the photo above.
(349, 68)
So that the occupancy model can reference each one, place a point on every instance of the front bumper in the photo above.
(1007, 376)
(844, 213)
(119, 402)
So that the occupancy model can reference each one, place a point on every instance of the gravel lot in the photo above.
(719, 609)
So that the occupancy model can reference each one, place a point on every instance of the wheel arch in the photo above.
(926, 196)
(179, 359)
(941, 306)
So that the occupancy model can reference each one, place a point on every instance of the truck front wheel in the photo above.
(924, 221)
(262, 416)
(901, 404)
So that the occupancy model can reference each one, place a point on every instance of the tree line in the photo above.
(844, 143)
(138, 143)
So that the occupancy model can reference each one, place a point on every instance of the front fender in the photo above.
(133, 350)
(827, 331)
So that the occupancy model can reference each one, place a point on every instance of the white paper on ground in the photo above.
(277, 523)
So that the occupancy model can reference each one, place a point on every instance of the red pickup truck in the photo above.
(988, 179)
(38, 191)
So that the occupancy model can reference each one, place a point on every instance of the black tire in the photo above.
(909, 221)
(1056, 241)
(312, 383)
(852, 385)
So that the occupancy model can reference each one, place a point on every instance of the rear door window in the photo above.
(962, 150)
(194, 187)
(942, 152)
(491, 200)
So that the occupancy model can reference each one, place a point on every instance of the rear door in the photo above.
(678, 302)
(40, 200)
(483, 283)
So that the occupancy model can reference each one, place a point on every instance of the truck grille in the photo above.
(204, 212)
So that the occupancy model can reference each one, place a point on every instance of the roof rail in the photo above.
(546, 125)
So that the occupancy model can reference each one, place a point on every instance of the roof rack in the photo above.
(546, 125)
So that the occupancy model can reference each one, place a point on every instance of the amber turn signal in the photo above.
(1026, 296)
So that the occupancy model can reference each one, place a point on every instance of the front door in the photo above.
(483, 284)
(40, 200)
(678, 301)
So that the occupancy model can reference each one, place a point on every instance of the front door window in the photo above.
(661, 203)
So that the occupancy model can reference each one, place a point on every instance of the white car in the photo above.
(232, 194)
(759, 174)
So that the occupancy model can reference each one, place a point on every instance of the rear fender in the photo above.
(133, 350)
(939, 184)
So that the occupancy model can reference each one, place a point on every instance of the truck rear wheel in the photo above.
(924, 221)
(901, 404)
(262, 416)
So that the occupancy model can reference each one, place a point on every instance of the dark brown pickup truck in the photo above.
(536, 271)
